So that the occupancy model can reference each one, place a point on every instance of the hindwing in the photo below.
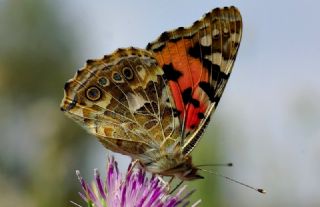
(124, 100)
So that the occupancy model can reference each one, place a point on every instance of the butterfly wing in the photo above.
(123, 100)
(198, 61)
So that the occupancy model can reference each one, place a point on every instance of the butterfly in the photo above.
(153, 104)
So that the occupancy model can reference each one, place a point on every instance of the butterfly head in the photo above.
(186, 171)
(191, 174)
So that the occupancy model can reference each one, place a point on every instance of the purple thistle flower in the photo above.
(134, 190)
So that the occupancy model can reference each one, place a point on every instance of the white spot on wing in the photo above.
(214, 57)
(206, 41)
(215, 32)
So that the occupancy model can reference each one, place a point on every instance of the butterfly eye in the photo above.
(117, 77)
(103, 81)
(127, 72)
(93, 93)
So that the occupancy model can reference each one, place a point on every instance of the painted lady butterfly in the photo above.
(153, 104)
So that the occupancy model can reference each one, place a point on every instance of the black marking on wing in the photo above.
(171, 73)
(187, 98)
(201, 115)
(176, 112)
(195, 103)
(187, 95)
(208, 89)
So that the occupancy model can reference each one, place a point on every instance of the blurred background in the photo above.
(267, 123)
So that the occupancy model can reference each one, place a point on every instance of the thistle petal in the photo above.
(134, 189)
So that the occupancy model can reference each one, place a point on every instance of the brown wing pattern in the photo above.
(197, 62)
(123, 100)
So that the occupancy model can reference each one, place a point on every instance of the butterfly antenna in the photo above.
(260, 190)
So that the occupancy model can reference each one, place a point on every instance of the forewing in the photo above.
(123, 100)
(198, 61)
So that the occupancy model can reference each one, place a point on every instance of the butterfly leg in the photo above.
(160, 178)
(177, 186)
(133, 164)
(167, 184)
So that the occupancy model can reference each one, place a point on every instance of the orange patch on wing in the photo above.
(192, 118)
(192, 70)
